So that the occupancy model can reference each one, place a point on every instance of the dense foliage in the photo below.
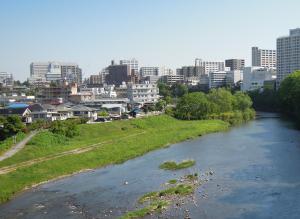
(66, 128)
(289, 95)
(286, 99)
(266, 100)
(10, 126)
(218, 103)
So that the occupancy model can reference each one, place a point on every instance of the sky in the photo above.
(169, 33)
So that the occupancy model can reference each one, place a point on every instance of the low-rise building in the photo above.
(233, 77)
(172, 79)
(254, 77)
(84, 112)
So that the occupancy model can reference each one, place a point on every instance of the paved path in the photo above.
(17, 147)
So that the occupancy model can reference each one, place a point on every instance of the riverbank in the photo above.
(151, 133)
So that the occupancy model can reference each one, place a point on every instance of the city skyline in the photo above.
(95, 33)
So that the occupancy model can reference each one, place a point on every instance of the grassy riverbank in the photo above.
(119, 145)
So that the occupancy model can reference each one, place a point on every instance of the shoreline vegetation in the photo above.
(153, 133)
(172, 165)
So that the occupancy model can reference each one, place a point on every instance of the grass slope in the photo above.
(157, 132)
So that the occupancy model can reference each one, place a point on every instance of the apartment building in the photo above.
(288, 54)
(55, 71)
(235, 64)
(6, 79)
(133, 63)
(264, 57)
(209, 66)
(142, 93)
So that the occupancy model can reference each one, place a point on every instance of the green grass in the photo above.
(192, 176)
(180, 190)
(167, 196)
(172, 181)
(157, 132)
(8, 143)
(172, 165)
(154, 207)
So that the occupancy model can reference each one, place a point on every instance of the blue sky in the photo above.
(156, 32)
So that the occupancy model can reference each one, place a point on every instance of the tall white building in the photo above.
(208, 67)
(6, 79)
(233, 77)
(217, 79)
(142, 93)
(254, 77)
(149, 71)
(264, 57)
(288, 54)
(155, 71)
(38, 71)
(53, 71)
(133, 63)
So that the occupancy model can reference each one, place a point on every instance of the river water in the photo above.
(256, 175)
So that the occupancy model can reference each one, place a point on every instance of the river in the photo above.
(256, 175)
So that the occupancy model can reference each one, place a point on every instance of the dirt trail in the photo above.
(17, 147)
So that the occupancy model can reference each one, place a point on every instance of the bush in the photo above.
(169, 111)
(66, 128)
(103, 113)
(39, 124)
(11, 125)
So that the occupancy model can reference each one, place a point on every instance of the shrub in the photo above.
(66, 128)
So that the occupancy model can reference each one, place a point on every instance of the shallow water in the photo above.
(256, 175)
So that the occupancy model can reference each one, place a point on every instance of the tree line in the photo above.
(285, 100)
(217, 104)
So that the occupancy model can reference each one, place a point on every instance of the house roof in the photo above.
(17, 105)
(36, 108)
(63, 107)
(13, 111)
(110, 106)
(48, 106)
(82, 108)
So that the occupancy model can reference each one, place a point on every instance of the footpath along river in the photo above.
(256, 174)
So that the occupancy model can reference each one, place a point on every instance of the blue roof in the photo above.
(17, 105)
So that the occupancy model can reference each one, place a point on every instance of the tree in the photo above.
(67, 128)
(164, 90)
(266, 100)
(11, 125)
(168, 99)
(289, 94)
(178, 90)
(26, 83)
(160, 105)
(222, 100)
(193, 106)
(241, 101)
